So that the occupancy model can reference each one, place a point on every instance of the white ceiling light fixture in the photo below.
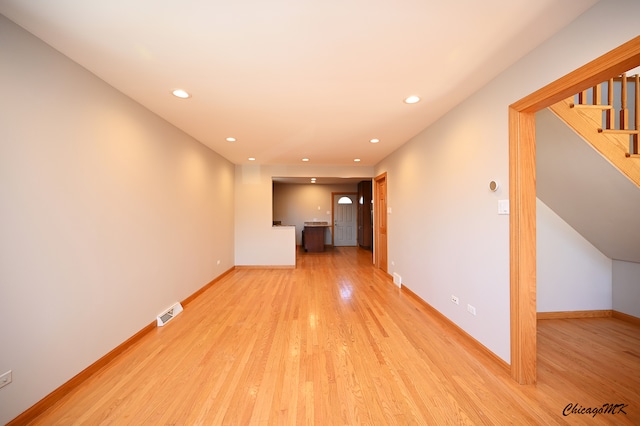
(374, 140)
(252, 159)
(413, 99)
(305, 159)
(182, 94)
(231, 139)
(357, 160)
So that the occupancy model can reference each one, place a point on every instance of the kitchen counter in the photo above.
(313, 236)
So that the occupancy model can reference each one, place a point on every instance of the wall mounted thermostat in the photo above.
(494, 185)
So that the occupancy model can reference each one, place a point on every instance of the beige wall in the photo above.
(445, 236)
(108, 215)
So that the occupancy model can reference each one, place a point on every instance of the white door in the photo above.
(344, 220)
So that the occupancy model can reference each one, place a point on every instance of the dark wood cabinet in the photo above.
(365, 209)
(313, 238)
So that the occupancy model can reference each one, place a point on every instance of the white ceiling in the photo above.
(296, 78)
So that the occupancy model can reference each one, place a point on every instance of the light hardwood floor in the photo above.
(334, 342)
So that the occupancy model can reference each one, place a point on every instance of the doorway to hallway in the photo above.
(380, 221)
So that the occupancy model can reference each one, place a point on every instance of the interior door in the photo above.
(380, 222)
(345, 224)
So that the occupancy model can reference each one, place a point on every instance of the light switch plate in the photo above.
(503, 206)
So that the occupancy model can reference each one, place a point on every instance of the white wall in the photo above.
(572, 274)
(295, 204)
(257, 242)
(626, 287)
(108, 215)
(444, 234)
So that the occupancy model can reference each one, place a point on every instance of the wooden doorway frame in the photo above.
(379, 210)
(522, 194)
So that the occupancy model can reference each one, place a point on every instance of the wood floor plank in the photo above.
(334, 342)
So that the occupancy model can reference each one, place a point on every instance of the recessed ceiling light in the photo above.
(357, 160)
(313, 180)
(179, 93)
(412, 99)
(305, 159)
(374, 140)
(231, 139)
(252, 159)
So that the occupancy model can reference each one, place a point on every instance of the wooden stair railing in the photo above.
(616, 140)
(623, 126)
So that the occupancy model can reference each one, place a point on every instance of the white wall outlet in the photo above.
(454, 299)
(471, 309)
(5, 379)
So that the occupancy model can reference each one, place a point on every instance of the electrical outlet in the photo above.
(454, 299)
(471, 309)
(5, 379)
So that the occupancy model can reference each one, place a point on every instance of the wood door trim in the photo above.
(522, 192)
(376, 230)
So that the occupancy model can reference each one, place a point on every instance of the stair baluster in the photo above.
(610, 114)
(624, 112)
(597, 94)
(636, 106)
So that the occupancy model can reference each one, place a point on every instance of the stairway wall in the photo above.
(626, 287)
(572, 274)
(593, 200)
(585, 190)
